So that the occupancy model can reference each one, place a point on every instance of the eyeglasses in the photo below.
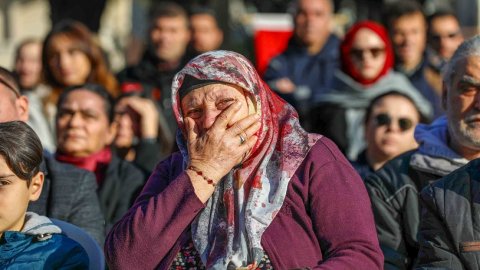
(438, 37)
(359, 53)
(384, 119)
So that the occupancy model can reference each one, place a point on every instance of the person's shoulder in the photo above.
(332, 46)
(62, 171)
(140, 72)
(394, 175)
(67, 252)
(325, 151)
(125, 168)
(459, 181)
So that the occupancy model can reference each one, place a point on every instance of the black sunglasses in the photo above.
(438, 37)
(384, 119)
(359, 53)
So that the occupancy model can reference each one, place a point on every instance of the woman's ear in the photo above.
(36, 185)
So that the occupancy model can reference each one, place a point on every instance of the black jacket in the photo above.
(69, 194)
(119, 189)
(393, 191)
(450, 225)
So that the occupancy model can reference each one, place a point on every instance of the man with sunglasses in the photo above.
(445, 145)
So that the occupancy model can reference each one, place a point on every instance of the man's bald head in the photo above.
(13, 106)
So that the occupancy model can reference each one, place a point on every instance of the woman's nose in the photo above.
(209, 118)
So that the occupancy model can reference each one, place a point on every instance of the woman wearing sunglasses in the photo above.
(390, 121)
(366, 72)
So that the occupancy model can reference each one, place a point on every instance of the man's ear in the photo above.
(36, 185)
(112, 132)
(22, 108)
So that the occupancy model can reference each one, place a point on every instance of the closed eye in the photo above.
(225, 103)
(194, 113)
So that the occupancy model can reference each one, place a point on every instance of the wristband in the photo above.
(200, 173)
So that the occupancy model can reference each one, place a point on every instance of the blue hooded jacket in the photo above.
(40, 245)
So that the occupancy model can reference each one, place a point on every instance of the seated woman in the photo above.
(72, 56)
(390, 121)
(366, 72)
(85, 130)
(28, 240)
(249, 187)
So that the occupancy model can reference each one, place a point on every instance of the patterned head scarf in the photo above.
(346, 46)
(229, 230)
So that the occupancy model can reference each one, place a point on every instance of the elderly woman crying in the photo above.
(249, 188)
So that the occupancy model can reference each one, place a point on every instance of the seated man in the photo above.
(27, 240)
(206, 33)
(449, 223)
(305, 69)
(407, 25)
(68, 193)
(445, 145)
(444, 37)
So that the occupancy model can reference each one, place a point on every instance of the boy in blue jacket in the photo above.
(27, 240)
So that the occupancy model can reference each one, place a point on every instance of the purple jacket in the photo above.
(325, 222)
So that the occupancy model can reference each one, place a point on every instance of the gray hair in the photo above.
(470, 47)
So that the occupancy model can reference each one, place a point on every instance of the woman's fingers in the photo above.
(242, 125)
(252, 129)
(192, 133)
(224, 118)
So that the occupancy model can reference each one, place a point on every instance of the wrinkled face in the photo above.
(127, 121)
(82, 124)
(445, 36)
(409, 34)
(204, 104)
(462, 102)
(169, 37)
(28, 65)
(68, 64)
(11, 107)
(206, 36)
(368, 53)
(312, 22)
(15, 194)
(390, 127)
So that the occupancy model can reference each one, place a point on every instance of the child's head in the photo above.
(21, 181)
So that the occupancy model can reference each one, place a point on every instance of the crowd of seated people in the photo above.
(189, 159)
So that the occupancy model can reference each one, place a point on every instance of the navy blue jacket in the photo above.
(314, 71)
(420, 82)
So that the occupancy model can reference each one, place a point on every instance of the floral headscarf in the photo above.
(230, 228)
(346, 46)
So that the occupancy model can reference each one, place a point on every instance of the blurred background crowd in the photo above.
(363, 73)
